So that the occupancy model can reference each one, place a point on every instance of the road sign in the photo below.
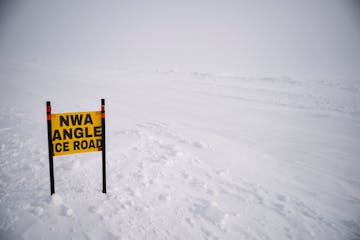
(76, 132)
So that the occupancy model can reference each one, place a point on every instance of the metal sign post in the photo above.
(51, 164)
(103, 144)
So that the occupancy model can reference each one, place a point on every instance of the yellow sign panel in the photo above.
(76, 132)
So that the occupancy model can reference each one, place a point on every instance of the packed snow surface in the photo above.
(190, 155)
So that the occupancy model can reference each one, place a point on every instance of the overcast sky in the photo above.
(314, 37)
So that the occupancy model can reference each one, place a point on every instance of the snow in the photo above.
(190, 156)
(225, 120)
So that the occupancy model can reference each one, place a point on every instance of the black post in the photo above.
(51, 164)
(103, 144)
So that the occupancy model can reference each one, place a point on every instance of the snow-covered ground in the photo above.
(190, 155)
